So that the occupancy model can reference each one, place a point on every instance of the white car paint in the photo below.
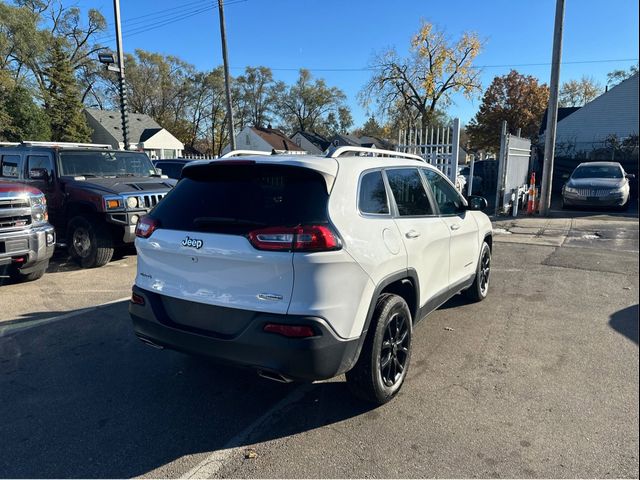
(335, 285)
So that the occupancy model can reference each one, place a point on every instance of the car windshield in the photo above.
(597, 171)
(105, 164)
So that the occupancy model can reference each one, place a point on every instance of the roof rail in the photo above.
(237, 153)
(373, 152)
(66, 145)
(9, 144)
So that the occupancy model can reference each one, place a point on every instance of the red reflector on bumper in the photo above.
(294, 331)
(137, 299)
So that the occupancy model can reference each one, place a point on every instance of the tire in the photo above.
(391, 330)
(18, 276)
(90, 243)
(479, 290)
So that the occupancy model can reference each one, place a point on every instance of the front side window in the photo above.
(10, 165)
(445, 195)
(408, 192)
(105, 164)
(41, 162)
(373, 196)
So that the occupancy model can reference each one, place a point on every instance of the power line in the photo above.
(369, 69)
(142, 18)
(172, 18)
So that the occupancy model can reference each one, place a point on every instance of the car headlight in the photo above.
(39, 209)
(132, 202)
(570, 190)
(616, 191)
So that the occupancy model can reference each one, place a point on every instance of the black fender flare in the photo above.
(407, 274)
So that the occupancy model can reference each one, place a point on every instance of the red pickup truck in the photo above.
(27, 240)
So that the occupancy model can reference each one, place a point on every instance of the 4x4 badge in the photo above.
(192, 242)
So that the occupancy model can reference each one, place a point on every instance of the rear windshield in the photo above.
(598, 171)
(236, 199)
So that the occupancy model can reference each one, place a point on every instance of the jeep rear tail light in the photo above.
(304, 238)
(146, 226)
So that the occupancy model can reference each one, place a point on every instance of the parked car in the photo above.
(597, 184)
(305, 267)
(95, 194)
(27, 240)
(171, 167)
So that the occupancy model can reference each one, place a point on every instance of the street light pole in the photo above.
(227, 84)
(121, 85)
(552, 112)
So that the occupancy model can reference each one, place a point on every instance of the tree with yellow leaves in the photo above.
(425, 80)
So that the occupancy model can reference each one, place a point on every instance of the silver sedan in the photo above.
(597, 184)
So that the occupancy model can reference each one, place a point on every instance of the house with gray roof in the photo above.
(264, 140)
(145, 134)
(311, 142)
(614, 113)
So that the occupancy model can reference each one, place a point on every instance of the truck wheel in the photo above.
(384, 359)
(18, 276)
(479, 290)
(90, 243)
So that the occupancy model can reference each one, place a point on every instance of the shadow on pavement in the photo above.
(61, 262)
(82, 397)
(625, 322)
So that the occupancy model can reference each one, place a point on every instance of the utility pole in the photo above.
(121, 85)
(552, 112)
(227, 83)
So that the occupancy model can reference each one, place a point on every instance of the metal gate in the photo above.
(439, 146)
(514, 164)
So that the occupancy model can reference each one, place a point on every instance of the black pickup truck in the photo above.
(95, 194)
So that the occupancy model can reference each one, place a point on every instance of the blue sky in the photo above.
(321, 35)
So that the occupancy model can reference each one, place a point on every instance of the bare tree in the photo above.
(425, 80)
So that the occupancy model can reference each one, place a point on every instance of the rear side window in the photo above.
(236, 199)
(408, 192)
(10, 166)
(373, 196)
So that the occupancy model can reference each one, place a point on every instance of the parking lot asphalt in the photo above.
(539, 380)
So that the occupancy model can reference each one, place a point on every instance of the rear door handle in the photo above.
(412, 234)
(455, 226)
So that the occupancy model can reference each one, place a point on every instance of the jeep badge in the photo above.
(192, 242)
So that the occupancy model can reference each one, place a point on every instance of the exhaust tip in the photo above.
(274, 376)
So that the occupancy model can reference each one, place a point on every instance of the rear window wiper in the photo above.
(202, 221)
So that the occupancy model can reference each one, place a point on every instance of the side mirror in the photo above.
(630, 176)
(476, 203)
(39, 174)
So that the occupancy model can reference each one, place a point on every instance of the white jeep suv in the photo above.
(306, 267)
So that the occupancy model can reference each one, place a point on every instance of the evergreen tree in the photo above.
(62, 102)
(27, 120)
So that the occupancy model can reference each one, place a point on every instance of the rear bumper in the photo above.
(34, 245)
(322, 356)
